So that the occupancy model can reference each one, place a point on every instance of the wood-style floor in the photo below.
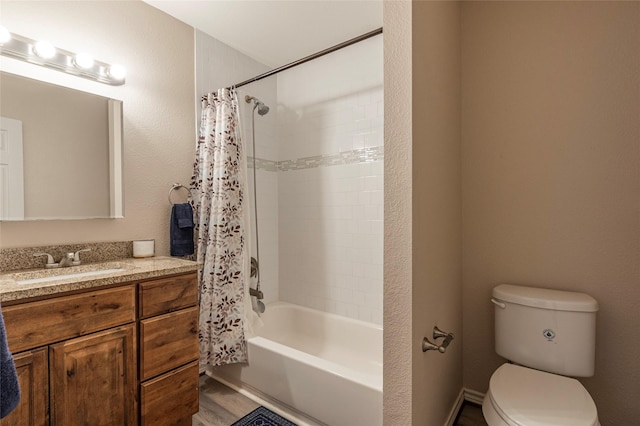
(221, 406)
(470, 415)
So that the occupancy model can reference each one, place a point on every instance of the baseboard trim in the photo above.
(453, 415)
(466, 395)
(473, 396)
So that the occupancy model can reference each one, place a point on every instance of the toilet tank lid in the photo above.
(545, 298)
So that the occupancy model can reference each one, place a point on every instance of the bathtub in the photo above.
(326, 366)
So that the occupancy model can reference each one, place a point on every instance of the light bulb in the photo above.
(44, 49)
(83, 60)
(5, 35)
(117, 72)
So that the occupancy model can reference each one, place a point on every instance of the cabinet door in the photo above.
(34, 387)
(93, 379)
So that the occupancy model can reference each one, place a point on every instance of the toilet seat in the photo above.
(521, 396)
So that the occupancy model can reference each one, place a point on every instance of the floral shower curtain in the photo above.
(218, 185)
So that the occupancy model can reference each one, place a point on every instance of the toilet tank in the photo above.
(549, 330)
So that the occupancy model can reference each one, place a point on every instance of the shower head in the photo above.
(262, 108)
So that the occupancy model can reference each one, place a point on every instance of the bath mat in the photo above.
(263, 417)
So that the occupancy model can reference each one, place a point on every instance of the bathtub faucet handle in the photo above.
(257, 293)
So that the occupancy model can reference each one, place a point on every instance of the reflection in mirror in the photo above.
(60, 152)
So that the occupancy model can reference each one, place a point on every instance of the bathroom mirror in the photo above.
(60, 152)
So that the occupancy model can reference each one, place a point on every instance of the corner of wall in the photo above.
(397, 211)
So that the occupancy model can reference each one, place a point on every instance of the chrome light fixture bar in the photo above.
(45, 54)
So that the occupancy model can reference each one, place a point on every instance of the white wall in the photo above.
(330, 117)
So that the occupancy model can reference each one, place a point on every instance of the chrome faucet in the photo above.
(72, 259)
(67, 260)
(76, 256)
(50, 263)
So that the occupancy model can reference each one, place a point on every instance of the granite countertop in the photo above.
(118, 271)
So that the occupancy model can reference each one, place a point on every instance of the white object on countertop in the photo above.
(144, 248)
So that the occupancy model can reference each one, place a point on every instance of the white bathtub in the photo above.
(326, 366)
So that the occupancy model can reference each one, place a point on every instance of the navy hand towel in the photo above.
(181, 230)
(9, 386)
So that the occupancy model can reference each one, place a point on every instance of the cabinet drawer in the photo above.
(168, 294)
(39, 323)
(168, 341)
(170, 399)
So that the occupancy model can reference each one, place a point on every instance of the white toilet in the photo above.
(548, 334)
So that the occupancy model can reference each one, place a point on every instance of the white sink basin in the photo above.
(70, 276)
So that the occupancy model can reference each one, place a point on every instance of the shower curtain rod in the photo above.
(313, 56)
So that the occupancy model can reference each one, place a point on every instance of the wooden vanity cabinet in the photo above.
(76, 336)
(78, 355)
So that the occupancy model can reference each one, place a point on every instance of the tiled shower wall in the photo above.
(331, 239)
(330, 182)
(320, 174)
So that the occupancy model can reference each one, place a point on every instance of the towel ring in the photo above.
(177, 186)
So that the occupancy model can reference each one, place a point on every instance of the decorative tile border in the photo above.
(364, 155)
(262, 164)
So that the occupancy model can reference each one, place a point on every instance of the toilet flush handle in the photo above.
(498, 303)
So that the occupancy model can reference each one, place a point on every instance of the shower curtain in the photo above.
(219, 186)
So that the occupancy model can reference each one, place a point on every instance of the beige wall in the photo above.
(422, 210)
(398, 309)
(159, 135)
(437, 280)
(551, 175)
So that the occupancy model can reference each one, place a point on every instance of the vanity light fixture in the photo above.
(5, 35)
(84, 61)
(116, 72)
(45, 54)
(44, 49)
